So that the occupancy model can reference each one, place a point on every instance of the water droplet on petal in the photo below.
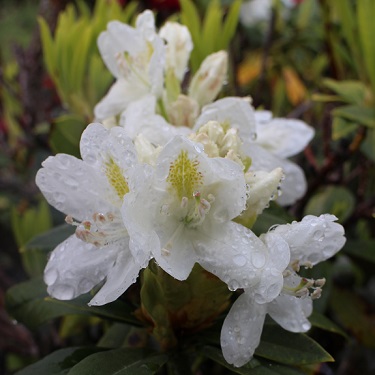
(233, 285)
(239, 260)
(50, 276)
(258, 259)
(63, 292)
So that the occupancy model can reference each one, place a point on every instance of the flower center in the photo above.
(116, 178)
(184, 176)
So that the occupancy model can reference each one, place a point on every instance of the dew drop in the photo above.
(258, 259)
(239, 260)
(233, 285)
(50, 276)
(63, 292)
(318, 235)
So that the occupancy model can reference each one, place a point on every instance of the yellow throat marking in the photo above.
(116, 178)
(184, 176)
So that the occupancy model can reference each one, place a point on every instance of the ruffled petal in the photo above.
(284, 137)
(75, 267)
(314, 239)
(241, 331)
(291, 312)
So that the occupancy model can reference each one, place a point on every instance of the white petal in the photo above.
(291, 312)
(231, 110)
(241, 331)
(75, 267)
(140, 117)
(284, 137)
(262, 117)
(176, 256)
(314, 239)
(263, 187)
(272, 280)
(72, 186)
(121, 93)
(156, 67)
(293, 187)
(231, 252)
(123, 273)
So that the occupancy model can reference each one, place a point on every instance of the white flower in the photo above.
(140, 118)
(278, 139)
(268, 142)
(310, 241)
(190, 205)
(209, 79)
(91, 191)
(179, 46)
(135, 57)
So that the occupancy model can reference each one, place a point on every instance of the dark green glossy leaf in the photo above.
(322, 322)
(30, 304)
(120, 362)
(34, 253)
(254, 367)
(59, 362)
(290, 348)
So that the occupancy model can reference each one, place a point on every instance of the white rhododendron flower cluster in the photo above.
(177, 178)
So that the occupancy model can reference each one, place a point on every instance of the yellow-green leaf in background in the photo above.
(361, 115)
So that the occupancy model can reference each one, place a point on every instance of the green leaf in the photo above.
(337, 200)
(120, 362)
(66, 133)
(48, 47)
(341, 128)
(59, 362)
(366, 26)
(211, 27)
(354, 313)
(230, 25)
(362, 249)
(190, 18)
(254, 367)
(30, 304)
(34, 253)
(368, 145)
(322, 322)
(353, 92)
(31, 222)
(362, 115)
(290, 348)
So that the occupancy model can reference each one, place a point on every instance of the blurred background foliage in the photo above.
(314, 61)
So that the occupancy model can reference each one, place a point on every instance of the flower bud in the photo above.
(179, 46)
(209, 79)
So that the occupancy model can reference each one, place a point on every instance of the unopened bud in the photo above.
(207, 82)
